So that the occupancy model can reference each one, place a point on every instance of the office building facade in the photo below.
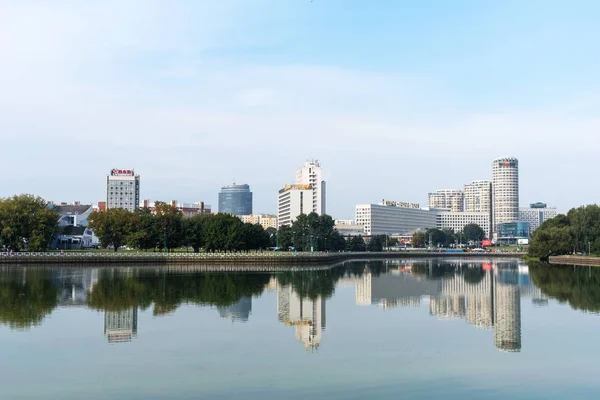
(122, 189)
(187, 209)
(449, 199)
(292, 201)
(456, 221)
(505, 191)
(478, 196)
(235, 199)
(312, 174)
(536, 214)
(393, 218)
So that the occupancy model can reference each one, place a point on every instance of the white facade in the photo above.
(536, 216)
(122, 189)
(293, 200)
(379, 219)
(311, 174)
(452, 199)
(458, 220)
(478, 196)
(505, 191)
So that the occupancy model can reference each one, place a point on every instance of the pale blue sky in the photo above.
(395, 98)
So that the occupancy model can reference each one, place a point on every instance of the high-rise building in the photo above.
(478, 197)
(122, 189)
(235, 199)
(293, 200)
(311, 174)
(536, 214)
(507, 310)
(505, 191)
(451, 199)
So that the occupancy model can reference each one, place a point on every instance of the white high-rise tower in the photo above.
(311, 174)
(505, 191)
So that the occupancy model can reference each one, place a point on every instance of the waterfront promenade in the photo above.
(575, 260)
(251, 260)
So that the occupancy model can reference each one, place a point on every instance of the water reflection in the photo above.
(485, 295)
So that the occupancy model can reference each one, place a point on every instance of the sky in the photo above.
(395, 98)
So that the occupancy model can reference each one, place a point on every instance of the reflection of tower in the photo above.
(239, 311)
(507, 310)
(363, 289)
(305, 314)
(479, 303)
(120, 326)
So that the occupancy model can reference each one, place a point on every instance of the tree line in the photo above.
(576, 232)
(447, 237)
(165, 228)
(26, 223)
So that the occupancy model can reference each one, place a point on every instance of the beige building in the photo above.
(292, 201)
(264, 220)
(450, 199)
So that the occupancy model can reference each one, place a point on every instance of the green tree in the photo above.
(356, 243)
(419, 240)
(193, 231)
(285, 237)
(146, 235)
(272, 233)
(376, 243)
(114, 227)
(169, 223)
(26, 223)
(336, 242)
(473, 232)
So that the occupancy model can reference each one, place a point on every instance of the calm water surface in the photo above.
(379, 330)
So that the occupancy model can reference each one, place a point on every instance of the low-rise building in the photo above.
(349, 229)
(456, 221)
(392, 217)
(187, 209)
(536, 214)
(264, 220)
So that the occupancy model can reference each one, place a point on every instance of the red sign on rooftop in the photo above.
(121, 172)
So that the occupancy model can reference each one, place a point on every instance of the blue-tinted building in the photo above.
(510, 232)
(235, 199)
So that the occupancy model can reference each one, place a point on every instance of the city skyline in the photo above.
(234, 81)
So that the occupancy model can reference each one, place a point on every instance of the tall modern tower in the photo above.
(311, 174)
(235, 199)
(123, 189)
(505, 191)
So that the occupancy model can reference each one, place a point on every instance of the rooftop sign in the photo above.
(121, 172)
(400, 204)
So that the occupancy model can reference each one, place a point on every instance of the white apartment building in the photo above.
(505, 191)
(394, 218)
(311, 174)
(458, 220)
(536, 214)
(122, 189)
(452, 199)
(292, 201)
(264, 220)
(478, 196)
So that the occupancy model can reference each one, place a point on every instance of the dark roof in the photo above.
(74, 230)
(71, 210)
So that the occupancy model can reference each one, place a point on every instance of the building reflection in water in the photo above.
(305, 314)
(120, 326)
(237, 312)
(492, 301)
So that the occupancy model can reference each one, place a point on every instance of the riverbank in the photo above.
(251, 260)
(575, 260)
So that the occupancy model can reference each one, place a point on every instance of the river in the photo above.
(430, 329)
